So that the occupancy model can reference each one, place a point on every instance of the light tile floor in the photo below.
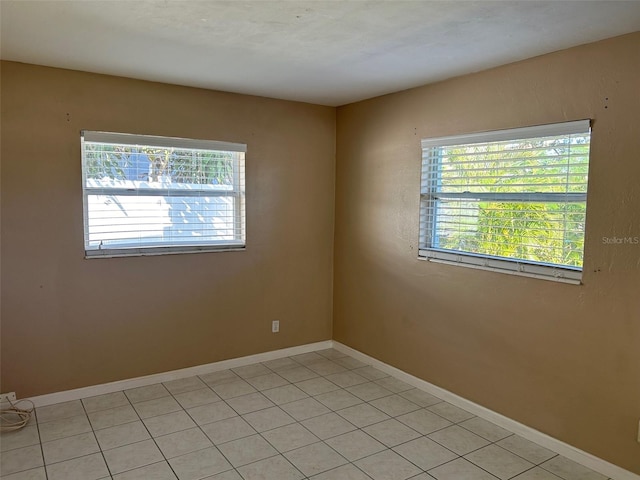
(321, 416)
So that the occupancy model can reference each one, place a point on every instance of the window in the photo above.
(146, 195)
(510, 200)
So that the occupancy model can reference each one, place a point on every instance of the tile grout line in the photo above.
(104, 459)
(166, 460)
(44, 463)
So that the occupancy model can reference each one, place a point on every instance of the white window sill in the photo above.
(478, 262)
(154, 251)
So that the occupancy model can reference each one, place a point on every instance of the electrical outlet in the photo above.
(5, 397)
(275, 326)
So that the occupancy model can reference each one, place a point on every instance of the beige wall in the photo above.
(69, 322)
(560, 358)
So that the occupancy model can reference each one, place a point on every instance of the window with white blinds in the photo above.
(148, 195)
(510, 200)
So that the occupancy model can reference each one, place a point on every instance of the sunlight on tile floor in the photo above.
(322, 416)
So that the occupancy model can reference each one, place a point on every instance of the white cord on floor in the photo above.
(8, 421)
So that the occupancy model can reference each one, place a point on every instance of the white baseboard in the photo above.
(572, 453)
(78, 393)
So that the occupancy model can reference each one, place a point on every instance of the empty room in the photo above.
(324, 239)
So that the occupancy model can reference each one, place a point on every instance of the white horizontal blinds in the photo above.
(517, 194)
(142, 193)
(170, 142)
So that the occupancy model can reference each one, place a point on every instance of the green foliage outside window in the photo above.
(550, 230)
(181, 166)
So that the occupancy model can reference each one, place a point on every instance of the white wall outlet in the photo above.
(275, 326)
(5, 397)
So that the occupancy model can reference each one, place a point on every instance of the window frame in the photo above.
(237, 192)
(429, 203)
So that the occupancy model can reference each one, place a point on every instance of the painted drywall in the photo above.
(563, 359)
(69, 322)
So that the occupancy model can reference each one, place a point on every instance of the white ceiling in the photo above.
(325, 52)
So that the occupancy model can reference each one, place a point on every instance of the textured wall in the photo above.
(563, 359)
(69, 322)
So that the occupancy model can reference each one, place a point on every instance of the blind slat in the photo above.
(561, 197)
(537, 131)
(113, 138)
